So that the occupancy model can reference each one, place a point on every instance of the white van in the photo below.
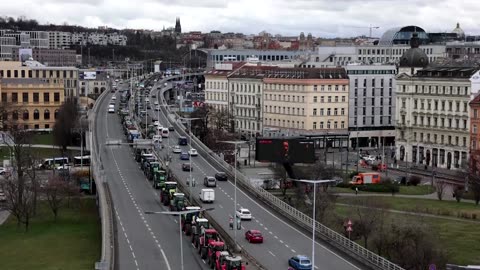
(165, 132)
(207, 195)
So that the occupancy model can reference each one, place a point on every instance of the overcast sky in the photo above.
(322, 18)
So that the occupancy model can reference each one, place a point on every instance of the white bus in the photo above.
(49, 163)
(81, 160)
(165, 132)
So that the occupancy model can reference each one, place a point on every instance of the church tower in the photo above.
(178, 27)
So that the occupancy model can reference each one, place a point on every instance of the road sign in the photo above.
(349, 229)
(349, 223)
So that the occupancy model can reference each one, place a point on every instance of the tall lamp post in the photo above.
(235, 143)
(179, 213)
(190, 147)
(314, 182)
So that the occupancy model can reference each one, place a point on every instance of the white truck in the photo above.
(207, 195)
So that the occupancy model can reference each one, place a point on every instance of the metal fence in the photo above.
(343, 243)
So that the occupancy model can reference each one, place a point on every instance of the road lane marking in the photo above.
(272, 253)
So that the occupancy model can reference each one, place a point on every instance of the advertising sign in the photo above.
(89, 75)
(285, 150)
(25, 54)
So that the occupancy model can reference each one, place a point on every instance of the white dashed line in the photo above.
(272, 253)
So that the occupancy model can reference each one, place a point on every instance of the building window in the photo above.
(36, 114)
(343, 111)
(56, 97)
(14, 97)
(314, 125)
(335, 111)
(321, 111)
(55, 115)
(314, 88)
(25, 115)
(4, 97)
(15, 115)
(46, 97)
(321, 99)
(328, 111)
(25, 97)
(46, 114)
(315, 99)
(314, 111)
(36, 97)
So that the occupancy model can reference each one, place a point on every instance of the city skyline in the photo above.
(321, 18)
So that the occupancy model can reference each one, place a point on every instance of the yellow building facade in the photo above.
(31, 104)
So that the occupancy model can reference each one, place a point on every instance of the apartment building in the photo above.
(217, 87)
(311, 101)
(59, 40)
(32, 103)
(51, 57)
(10, 39)
(67, 75)
(371, 105)
(433, 116)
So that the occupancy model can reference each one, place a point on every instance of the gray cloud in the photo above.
(320, 17)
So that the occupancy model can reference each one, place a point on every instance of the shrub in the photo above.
(414, 180)
(352, 174)
(386, 188)
(344, 185)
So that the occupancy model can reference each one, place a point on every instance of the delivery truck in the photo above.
(207, 195)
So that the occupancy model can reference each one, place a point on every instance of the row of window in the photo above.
(246, 112)
(26, 115)
(301, 124)
(388, 51)
(426, 121)
(442, 103)
(26, 126)
(379, 111)
(372, 101)
(373, 94)
(373, 82)
(38, 73)
(372, 120)
(439, 89)
(242, 124)
(35, 97)
(256, 88)
(433, 138)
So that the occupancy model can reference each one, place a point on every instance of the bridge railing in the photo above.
(338, 240)
(104, 201)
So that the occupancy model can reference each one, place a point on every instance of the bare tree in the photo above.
(458, 192)
(279, 173)
(441, 186)
(19, 199)
(66, 121)
(221, 119)
(324, 204)
(366, 213)
(55, 191)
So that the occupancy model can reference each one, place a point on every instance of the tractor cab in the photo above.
(178, 202)
(153, 167)
(167, 193)
(208, 236)
(233, 263)
(198, 226)
(215, 247)
(187, 219)
(220, 259)
(159, 178)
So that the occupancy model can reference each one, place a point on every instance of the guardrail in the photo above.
(104, 202)
(343, 243)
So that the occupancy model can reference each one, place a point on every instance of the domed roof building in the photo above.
(413, 58)
(459, 31)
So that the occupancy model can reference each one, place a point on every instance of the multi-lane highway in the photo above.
(143, 241)
(282, 240)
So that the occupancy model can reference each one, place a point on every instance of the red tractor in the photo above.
(197, 225)
(220, 260)
(207, 236)
(214, 248)
(233, 263)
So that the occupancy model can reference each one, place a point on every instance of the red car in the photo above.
(254, 236)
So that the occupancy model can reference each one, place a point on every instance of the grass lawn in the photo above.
(460, 239)
(39, 152)
(73, 242)
(404, 190)
(446, 208)
(43, 139)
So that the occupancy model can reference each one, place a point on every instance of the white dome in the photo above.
(458, 31)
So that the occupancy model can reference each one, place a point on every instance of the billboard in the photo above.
(285, 150)
(25, 54)
(89, 75)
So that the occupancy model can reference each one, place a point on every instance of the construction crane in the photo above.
(369, 27)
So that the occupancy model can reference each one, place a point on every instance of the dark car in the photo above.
(170, 128)
(184, 156)
(254, 236)
(221, 176)
(186, 167)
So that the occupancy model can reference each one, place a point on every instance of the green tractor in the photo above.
(178, 202)
(151, 131)
(167, 192)
(159, 179)
(152, 168)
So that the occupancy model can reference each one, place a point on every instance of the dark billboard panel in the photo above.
(285, 150)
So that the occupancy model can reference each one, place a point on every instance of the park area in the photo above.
(72, 241)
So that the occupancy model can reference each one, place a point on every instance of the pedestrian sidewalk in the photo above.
(4, 214)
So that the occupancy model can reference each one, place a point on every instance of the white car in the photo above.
(193, 152)
(114, 98)
(157, 108)
(155, 103)
(3, 170)
(369, 158)
(111, 110)
(63, 167)
(177, 149)
(156, 123)
(244, 214)
(157, 138)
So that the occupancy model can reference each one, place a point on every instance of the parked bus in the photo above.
(49, 163)
(79, 161)
(182, 140)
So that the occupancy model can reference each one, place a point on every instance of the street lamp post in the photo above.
(189, 157)
(179, 213)
(235, 143)
(314, 182)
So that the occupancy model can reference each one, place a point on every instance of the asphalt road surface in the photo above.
(144, 241)
(282, 240)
